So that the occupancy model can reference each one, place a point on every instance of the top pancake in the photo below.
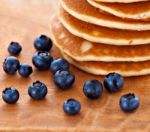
(82, 10)
(121, 1)
(138, 10)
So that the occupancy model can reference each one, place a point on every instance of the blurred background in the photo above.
(35, 10)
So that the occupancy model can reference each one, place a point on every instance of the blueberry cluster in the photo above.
(63, 78)
(36, 91)
(93, 89)
(11, 64)
(42, 60)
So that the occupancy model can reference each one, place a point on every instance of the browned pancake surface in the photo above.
(128, 8)
(121, 1)
(103, 68)
(115, 66)
(84, 8)
(102, 32)
(74, 46)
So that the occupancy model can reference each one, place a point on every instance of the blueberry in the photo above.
(25, 70)
(113, 82)
(59, 64)
(93, 89)
(64, 79)
(14, 48)
(129, 102)
(42, 60)
(43, 43)
(11, 65)
(10, 95)
(71, 106)
(37, 90)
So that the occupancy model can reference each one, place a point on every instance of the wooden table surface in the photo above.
(22, 21)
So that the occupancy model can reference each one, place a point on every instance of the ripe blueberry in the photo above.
(25, 70)
(10, 95)
(42, 60)
(43, 43)
(113, 82)
(59, 64)
(37, 90)
(14, 48)
(71, 106)
(11, 65)
(93, 89)
(64, 79)
(129, 102)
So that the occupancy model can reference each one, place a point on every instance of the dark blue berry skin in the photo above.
(71, 107)
(42, 60)
(37, 90)
(129, 102)
(64, 79)
(93, 89)
(25, 70)
(11, 65)
(43, 43)
(113, 82)
(14, 48)
(59, 64)
(10, 95)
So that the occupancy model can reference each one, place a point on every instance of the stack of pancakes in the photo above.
(102, 36)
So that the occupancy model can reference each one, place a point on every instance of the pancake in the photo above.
(139, 10)
(103, 68)
(100, 34)
(82, 10)
(83, 50)
(121, 1)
